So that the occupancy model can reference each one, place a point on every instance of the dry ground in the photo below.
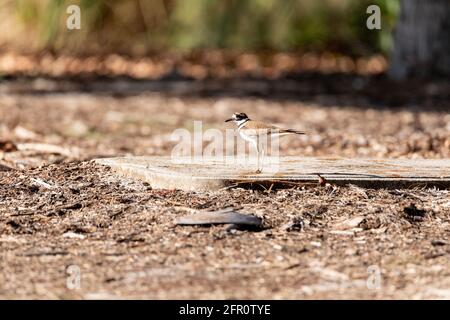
(58, 209)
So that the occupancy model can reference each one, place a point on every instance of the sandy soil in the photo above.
(58, 209)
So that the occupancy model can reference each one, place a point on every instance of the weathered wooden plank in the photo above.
(212, 174)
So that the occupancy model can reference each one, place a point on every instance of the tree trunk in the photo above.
(422, 40)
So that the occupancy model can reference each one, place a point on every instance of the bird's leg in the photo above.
(263, 154)
(262, 144)
(258, 150)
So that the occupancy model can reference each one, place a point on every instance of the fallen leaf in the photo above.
(219, 217)
(350, 223)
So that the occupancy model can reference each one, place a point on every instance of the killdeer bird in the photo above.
(252, 131)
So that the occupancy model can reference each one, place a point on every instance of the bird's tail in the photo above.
(292, 131)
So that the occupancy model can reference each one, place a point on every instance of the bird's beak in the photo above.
(228, 120)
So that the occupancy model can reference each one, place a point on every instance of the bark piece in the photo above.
(219, 217)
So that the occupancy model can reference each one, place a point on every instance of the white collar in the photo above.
(241, 123)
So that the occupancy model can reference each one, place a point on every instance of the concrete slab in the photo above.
(212, 174)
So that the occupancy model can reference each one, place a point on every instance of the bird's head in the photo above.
(238, 117)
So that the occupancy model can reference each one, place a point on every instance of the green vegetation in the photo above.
(140, 26)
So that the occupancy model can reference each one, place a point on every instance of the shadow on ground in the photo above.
(373, 91)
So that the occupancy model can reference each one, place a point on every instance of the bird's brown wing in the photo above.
(264, 128)
(259, 125)
(257, 128)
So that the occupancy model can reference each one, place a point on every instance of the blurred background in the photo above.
(138, 69)
(207, 36)
(140, 27)
(173, 30)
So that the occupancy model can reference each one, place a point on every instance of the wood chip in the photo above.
(350, 223)
(7, 146)
(23, 133)
(438, 242)
(73, 235)
(379, 230)
(42, 183)
(4, 167)
(322, 180)
(46, 148)
(342, 232)
(413, 213)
